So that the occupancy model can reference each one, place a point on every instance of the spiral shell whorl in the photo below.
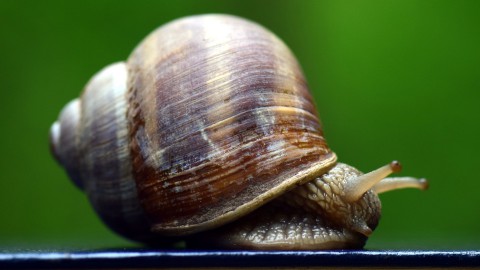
(221, 121)
(64, 141)
(93, 146)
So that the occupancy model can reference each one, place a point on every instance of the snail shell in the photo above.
(209, 120)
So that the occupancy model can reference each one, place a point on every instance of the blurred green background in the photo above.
(392, 80)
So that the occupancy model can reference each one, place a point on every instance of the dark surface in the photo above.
(136, 258)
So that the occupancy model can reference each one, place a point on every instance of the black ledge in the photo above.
(144, 259)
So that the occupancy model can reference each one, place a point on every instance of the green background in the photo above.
(392, 80)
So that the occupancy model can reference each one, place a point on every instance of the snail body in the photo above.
(202, 133)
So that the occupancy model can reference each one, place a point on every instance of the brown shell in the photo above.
(209, 119)
(221, 120)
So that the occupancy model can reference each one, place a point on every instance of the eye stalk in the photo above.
(376, 180)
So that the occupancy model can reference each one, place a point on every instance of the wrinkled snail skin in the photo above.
(208, 127)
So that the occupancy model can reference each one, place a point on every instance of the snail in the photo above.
(208, 134)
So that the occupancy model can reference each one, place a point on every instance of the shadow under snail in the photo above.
(208, 133)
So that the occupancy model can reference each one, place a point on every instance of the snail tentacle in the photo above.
(393, 183)
(356, 187)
